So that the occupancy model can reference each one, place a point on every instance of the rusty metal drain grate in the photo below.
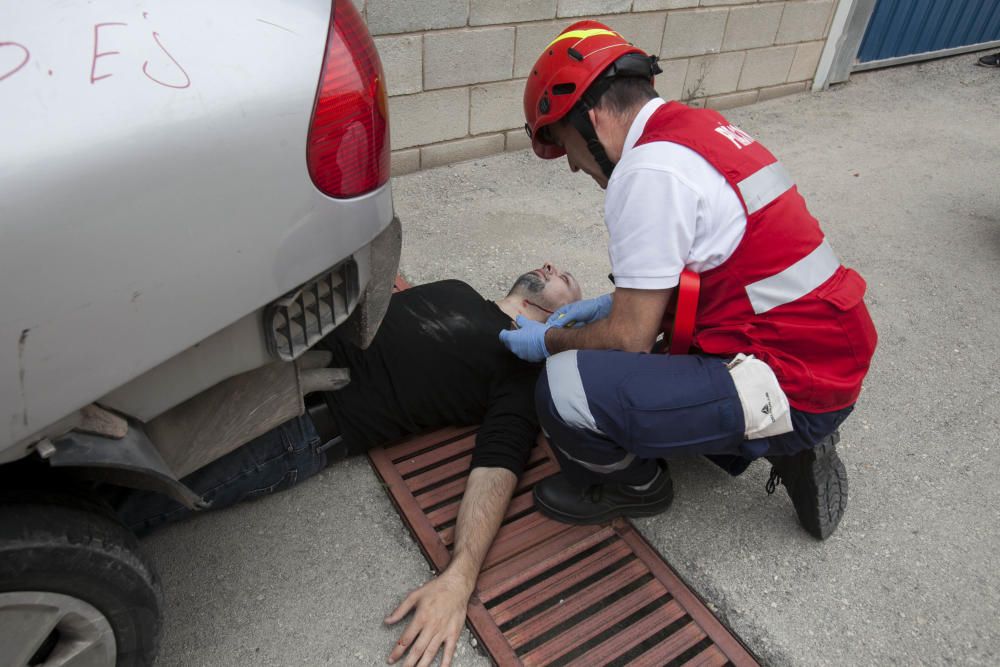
(550, 593)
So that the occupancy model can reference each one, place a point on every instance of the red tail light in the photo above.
(348, 146)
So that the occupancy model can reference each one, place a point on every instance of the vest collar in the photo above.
(639, 124)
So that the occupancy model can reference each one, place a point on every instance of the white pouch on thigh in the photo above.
(765, 406)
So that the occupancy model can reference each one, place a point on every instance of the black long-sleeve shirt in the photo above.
(437, 360)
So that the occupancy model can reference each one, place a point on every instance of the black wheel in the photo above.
(74, 589)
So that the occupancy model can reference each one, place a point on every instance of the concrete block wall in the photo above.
(455, 69)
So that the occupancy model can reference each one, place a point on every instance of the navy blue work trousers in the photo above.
(610, 415)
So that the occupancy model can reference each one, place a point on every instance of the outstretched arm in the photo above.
(440, 605)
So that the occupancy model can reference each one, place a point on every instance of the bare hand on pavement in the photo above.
(439, 608)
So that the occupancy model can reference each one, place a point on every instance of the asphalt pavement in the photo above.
(901, 167)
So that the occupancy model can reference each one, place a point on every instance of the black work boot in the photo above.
(558, 499)
(816, 481)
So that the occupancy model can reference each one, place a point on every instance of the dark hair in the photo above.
(527, 285)
(625, 93)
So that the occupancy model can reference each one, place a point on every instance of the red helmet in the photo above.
(567, 68)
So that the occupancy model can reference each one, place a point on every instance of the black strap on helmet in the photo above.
(579, 119)
(630, 65)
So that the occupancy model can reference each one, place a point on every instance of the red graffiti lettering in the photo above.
(17, 68)
(96, 54)
(145, 67)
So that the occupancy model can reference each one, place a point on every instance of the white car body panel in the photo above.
(152, 197)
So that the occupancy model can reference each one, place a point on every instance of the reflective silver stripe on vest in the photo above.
(794, 282)
(764, 186)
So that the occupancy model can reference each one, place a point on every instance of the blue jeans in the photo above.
(275, 461)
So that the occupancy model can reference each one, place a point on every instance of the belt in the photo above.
(328, 430)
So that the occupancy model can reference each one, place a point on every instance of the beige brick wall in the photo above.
(456, 68)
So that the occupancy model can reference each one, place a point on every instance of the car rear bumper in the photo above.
(243, 345)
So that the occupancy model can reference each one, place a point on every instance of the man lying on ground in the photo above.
(436, 361)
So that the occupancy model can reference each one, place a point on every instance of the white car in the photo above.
(192, 195)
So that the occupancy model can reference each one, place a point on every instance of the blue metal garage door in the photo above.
(904, 30)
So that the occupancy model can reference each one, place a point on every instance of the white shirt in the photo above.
(666, 209)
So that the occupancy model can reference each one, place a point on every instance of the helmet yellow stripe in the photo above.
(583, 34)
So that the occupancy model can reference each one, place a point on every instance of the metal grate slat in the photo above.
(710, 657)
(560, 581)
(562, 644)
(434, 456)
(538, 625)
(671, 647)
(552, 587)
(613, 647)
(433, 439)
(426, 480)
(552, 553)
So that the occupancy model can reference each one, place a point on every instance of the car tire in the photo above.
(70, 564)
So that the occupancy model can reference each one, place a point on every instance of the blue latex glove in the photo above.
(582, 312)
(528, 340)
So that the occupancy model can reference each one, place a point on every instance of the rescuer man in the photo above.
(710, 243)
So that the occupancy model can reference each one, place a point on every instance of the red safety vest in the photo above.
(782, 295)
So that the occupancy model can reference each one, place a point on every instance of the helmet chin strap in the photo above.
(630, 65)
(580, 120)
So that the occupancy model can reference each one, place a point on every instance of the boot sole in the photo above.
(829, 494)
